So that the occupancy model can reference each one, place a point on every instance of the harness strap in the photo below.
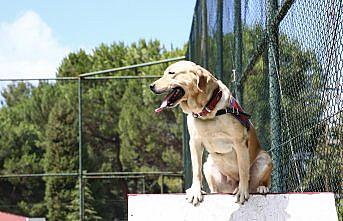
(211, 104)
(237, 111)
(231, 110)
(234, 108)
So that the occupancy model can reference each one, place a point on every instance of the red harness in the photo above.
(234, 108)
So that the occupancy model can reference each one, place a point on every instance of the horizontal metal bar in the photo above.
(113, 177)
(38, 175)
(129, 176)
(39, 79)
(87, 75)
(132, 66)
(122, 77)
(134, 173)
(95, 174)
(173, 175)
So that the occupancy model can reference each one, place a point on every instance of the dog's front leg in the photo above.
(194, 194)
(242, 191)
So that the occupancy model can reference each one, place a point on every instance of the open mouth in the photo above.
(171, 99)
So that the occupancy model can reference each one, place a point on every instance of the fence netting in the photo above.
(309, 76)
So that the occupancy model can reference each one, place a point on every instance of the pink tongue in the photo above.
(163, 105)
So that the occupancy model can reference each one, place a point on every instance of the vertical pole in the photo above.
(238, 50)
(81, 193)
(204, 33)
(186, 154)
(274, 93)
(265, 141)
(219, 66)
(204, 47)
(187, 163)
(162, 181)
(195, 42)
(143, 184)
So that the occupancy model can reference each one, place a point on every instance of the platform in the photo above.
(271, 207)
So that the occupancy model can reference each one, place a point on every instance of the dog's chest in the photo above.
(217, 136)
(218, 145)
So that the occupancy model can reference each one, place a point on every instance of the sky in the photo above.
(36, 34)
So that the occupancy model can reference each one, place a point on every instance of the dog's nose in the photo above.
(152, 87)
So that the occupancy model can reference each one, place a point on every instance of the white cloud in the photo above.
(28, 48)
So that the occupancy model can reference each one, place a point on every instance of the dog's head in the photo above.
(185, 83)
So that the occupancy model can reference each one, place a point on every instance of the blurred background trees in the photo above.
(39, 134)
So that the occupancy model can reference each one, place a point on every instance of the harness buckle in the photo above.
(232, 110)
(237, 111)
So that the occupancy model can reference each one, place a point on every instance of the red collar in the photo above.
(211, 104)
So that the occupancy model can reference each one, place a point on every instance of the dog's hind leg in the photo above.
(260, 173)
(217, 182)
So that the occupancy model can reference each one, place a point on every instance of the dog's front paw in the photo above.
(263, 189)
(242, 194)
(194, 195)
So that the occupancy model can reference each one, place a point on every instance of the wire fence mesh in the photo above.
(308, 67)
(311, 78)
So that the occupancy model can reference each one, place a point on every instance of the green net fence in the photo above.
(293, 90)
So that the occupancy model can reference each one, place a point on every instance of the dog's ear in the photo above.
(201, 83)
(202, 78)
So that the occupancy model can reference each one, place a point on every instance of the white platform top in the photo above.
(271, 207)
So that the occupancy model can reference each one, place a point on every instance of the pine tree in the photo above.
(61, 153)
(20, 152)
(90, 213)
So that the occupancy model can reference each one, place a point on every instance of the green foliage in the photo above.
(159, 134)
(39, 133)
(20, 151)
(90, 213)
(256, 102)
(61, 153)
(75, 64)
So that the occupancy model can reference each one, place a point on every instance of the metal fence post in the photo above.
(238, 50)
(204, 34)
(204, 47)
(274, 93)
(162, 181)
(81, 188)
(187, 163)
(219, 66)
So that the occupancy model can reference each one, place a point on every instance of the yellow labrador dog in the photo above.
(236, 162)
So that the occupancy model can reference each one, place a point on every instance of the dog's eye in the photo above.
(171, 72)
